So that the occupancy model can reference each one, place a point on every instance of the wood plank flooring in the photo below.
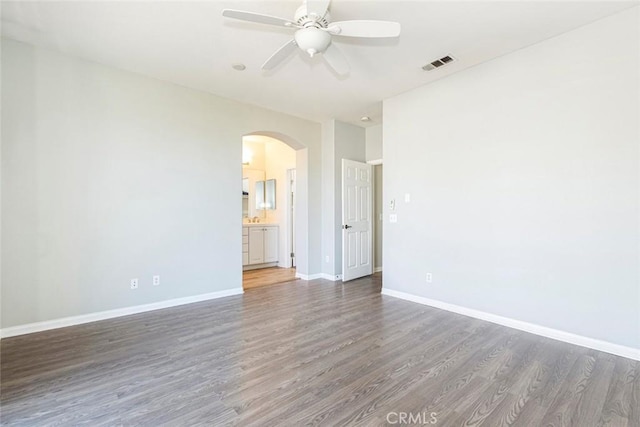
(267, 276)
(310, 353)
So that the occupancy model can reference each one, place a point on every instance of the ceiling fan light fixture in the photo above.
(312, 40)
(315, 29)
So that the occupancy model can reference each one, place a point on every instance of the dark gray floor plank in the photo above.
(307, 353)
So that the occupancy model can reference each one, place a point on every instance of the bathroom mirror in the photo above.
(245, 197)
(270, 194)
(260, 195)
(250, 206)
(266, 194)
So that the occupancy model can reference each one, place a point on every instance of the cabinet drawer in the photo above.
(245, 231)
(245, 240)
(245, 248)
(245, 258)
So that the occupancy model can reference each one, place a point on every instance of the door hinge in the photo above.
(292, 255)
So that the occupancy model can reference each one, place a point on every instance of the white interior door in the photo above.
(357, 210)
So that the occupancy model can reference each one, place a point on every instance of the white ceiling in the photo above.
(191, 44)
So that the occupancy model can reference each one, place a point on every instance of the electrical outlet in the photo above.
(134, 283)
(393, 218)
(429, 278)
(156, 280)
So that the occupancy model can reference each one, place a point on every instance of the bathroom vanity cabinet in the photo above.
(259, 245)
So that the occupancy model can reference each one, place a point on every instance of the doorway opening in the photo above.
(378, 213)
(268, 211)
(362, 219)
(357, 220)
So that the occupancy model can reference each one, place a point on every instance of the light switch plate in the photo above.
(407, 197)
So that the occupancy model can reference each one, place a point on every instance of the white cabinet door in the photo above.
(256, 245)
(270, 244)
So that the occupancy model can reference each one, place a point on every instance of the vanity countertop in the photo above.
(258, 224)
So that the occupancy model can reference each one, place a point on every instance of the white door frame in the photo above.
(290, 241)
(357, 221)
(378, 221)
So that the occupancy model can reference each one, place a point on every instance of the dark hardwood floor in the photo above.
(307, 353)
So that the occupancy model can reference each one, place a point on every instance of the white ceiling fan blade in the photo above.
(280, 55)
(372, 29)
(257, 17)
(317, 7)
(336, 60)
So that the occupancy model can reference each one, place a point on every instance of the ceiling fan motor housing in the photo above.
(304, 19)
(312, 40)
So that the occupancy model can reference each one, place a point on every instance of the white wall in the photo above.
(253, 146)
(524, 182)
(349, 144)
(328, 199)
(373, 136)
(373, 151)
(309, 212)
(108, 175)
(339, 141)
(279, 158)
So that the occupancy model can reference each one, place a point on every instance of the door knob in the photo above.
(346, 226)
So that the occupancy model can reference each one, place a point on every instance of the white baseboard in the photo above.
(377, 269)
(309, 276)
(259, 266)
(332, 277)
(607, 347)
(110, 314)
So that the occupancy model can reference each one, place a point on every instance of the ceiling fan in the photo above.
(314, 32)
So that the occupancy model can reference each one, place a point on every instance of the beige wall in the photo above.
(255, 146)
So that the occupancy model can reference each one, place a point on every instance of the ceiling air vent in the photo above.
(438, 63)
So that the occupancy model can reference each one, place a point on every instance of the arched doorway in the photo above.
(273, 238)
